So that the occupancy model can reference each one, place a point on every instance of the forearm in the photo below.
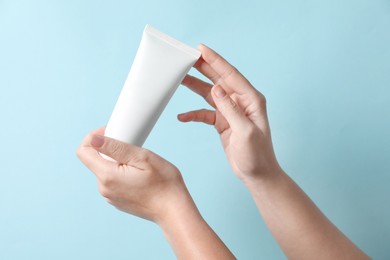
(189, 235)
(299, 227)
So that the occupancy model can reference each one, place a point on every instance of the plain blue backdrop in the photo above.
(324, 67)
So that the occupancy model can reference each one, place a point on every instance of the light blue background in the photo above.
(323, 65)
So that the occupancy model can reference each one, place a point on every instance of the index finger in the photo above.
(227, 73)
(91, 158)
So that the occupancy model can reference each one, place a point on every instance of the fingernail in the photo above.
(180, 116)
(97, 141)
(219, 91)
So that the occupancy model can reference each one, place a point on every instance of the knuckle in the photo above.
(190, 80)
(201, 115)
(232, 104)
(108, 180)
(261, 100)
(143, 155)
(104, 191)
(229, 72)
(229, 104)
(215, 78)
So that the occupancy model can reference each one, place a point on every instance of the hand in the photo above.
(240, 115)
(144, 184)
(140, 182)
(240, 118)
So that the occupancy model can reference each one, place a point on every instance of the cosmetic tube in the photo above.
(159, 67)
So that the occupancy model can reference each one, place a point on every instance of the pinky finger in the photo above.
(202, 115)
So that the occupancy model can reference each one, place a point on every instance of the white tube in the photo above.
(159, 66)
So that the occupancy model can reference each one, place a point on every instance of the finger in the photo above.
(230, 110)
(91, 158)
(227, 73)
(202, 115)
(99, 131)
(122, 152)
(200, 87)
(204, 68)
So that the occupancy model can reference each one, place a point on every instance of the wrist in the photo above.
(181, 224)
(254, 181)
(189, 234)
(180, 208)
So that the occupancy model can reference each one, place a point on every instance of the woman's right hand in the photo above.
(240, 116)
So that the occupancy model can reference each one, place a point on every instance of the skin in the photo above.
(240, 117)
(143, 184)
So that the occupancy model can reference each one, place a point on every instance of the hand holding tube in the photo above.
(140, 182)
(145, 185)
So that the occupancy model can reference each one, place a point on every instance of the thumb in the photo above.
(229, 109)
(119, 151)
